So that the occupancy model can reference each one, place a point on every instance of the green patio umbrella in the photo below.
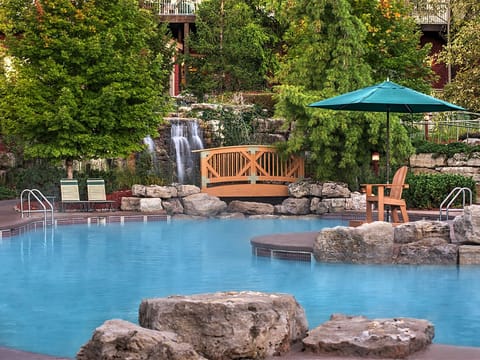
(387, 97)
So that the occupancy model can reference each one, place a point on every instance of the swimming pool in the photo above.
(56, 288)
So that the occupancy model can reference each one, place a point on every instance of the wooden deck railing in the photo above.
(248, 171)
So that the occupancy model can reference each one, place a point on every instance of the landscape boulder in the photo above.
(250, 207)
(429, 251)
(229, 325)
(185, 190)
(172, 206)
(466, 227)
(335, 190)
(130, 203)
(294, 206)
(359, 336)
(370, 243)
(202, 204)
(299, 188)
(163, 192)
(119, 339)
(420, 230)
(150, 205)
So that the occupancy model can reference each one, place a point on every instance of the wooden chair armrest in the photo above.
(369, 188)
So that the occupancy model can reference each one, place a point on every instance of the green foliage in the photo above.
(463, 54)
(39, 174)
(88, 78)
(235, 127)
(392, 43)
(427, 191)
(7, 193)
(236, 47)
(334, 47)
(449, 149)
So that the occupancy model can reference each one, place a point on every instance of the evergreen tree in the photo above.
(87, 78)
(331, 48)
(232, 46)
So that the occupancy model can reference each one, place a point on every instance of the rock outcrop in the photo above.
(119, 339)
(467, 226)
(250, 207)
(247, 325)
(202, 204)
(378, 338)
(367, 244)
(420, 242)
(229, 325)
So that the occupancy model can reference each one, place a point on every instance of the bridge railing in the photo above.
(248, 171)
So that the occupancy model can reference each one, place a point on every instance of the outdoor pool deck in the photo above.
(11, 223)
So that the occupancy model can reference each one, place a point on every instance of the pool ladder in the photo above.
(451, 197)
(38, 197)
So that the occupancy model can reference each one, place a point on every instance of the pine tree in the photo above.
(330, 48)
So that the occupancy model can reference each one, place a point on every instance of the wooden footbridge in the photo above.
(248, 171)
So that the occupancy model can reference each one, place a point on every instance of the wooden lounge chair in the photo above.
(96, 194)
(70, 194)
(388, 194)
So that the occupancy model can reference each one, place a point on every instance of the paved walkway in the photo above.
(10, 219)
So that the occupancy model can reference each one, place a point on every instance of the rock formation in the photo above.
(229, 325)
(379, 338)
(119, 339)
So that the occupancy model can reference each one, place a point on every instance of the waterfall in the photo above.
(151, 151)
(150, 144)
(185, 138)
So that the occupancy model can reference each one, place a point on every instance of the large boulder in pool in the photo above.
(119, 339)
(229, 325)
(358, 336)
(202, 204)
(367, 244)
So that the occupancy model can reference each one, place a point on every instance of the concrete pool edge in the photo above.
(433, 352)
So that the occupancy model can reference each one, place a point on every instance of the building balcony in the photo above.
(433, 13)
(171, 7)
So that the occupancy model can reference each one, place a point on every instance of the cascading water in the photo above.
(151, 151)
(185, 138)
(150, 144)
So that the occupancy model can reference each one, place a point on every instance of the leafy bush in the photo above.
(6, 193)
(235, 127)
(450, 149)
(427, 191)
(41, 175)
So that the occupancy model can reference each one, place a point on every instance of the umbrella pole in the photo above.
(387, 157)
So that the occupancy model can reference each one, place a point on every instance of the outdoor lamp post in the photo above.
(375, 160)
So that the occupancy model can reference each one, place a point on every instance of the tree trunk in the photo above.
(69, 168)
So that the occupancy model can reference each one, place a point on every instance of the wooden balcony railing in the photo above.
(248, 171)
(171, 7)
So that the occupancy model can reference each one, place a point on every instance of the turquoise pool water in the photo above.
(56, 289)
